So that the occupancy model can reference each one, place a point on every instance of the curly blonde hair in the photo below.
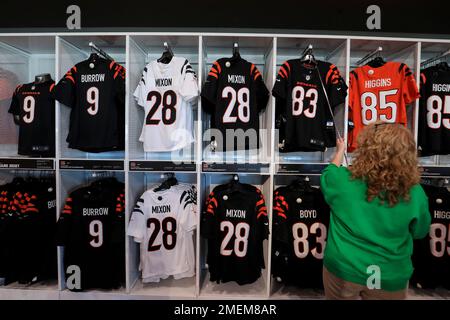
(386, 159)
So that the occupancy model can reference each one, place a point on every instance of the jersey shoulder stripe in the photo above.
(423, 78)
(217, 65)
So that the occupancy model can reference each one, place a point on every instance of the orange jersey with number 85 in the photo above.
(380, 93)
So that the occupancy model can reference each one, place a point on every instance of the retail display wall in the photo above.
(25, 55)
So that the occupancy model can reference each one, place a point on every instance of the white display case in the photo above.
(325, 49)
(21, 59)
(23, 55)
(260, 52)
(231, 290)
(142, 50)
(70, 51)
(44, 290)
(430, 50)
(69, 181)
(185, 288)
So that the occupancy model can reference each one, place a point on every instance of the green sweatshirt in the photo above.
(364, 234)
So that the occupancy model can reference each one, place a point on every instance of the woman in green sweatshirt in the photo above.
(377, 208)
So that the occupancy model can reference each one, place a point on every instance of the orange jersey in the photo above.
(379, 94)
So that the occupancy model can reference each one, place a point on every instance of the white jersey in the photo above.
(163, 223)
(166, 92)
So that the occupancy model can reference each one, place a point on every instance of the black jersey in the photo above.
(27, 229)
(97, 98)
(5, 250)
(91, 229)
(234, 93)
(431, 257)
(434, 111)
(300, 222)
(235, 224)
(302, 113)
(34, 106)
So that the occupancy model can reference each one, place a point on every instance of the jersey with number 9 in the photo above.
(34, 107)
(94, 89)
(91, 229)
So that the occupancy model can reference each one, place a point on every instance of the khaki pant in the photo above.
(339, 289)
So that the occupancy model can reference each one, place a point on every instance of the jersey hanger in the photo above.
(377, 62)
(443, 66)
(167, 184)
(42, 78)
(307, 55)
(93, 59)
(167, 54)
(234, 184)
(236, 54)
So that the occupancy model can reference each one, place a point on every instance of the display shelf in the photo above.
(27, 163)
(96, 165)
(283, 292)
(166, 289)
(436, 171)
(300, 168)
(46, 290)
(427, 294)
(162, 166)
(255, 168)
(231, 290)
(119, 294)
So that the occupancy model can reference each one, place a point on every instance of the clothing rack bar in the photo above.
(103, 53)
(431, 60)
(369, 55)
(335, 50)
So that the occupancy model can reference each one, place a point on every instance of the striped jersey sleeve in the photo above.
(189, 83)
(409, 85)
(280, 218)
(211, 87)
(15, 103)
(209, 217)
(136, 227)
(261, 216)
(65, 90)
(140, 94)
(280, 89)
(188, 203)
